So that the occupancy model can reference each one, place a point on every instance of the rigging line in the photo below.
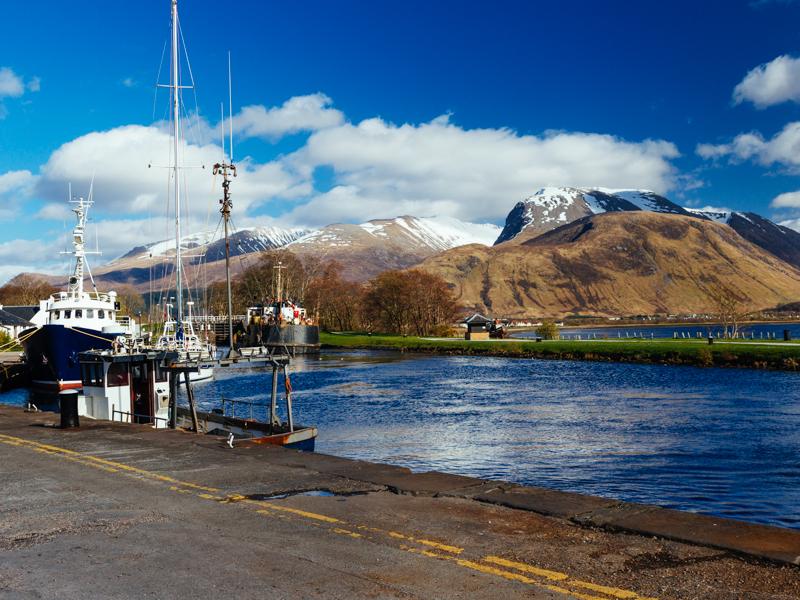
(158, 78)
(189, 64)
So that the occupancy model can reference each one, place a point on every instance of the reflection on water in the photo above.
(725, 442)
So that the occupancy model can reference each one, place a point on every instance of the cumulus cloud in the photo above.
(786, 200)
(782, 149)
(11, 84)
(15, 188)
(382, 169)
(771, 83)
(300, 113)
(129, 163)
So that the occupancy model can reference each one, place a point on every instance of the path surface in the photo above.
(115, 511)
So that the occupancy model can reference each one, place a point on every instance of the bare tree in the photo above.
(729, 308)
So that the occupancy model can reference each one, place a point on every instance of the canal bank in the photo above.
(127, 511)
(752, 354)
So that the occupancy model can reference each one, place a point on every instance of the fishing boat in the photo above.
(75, 321)
(178, 334)
(140, 385)
(281, 323)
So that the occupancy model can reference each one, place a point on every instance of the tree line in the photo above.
(411, 302)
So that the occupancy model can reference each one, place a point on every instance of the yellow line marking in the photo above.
(103, 461)
(566, 579)
(352, 534)
(275, 510)
(437, 545)
(603, 589)
(553, 575)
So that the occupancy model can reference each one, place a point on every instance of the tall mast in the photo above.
(81, 209)
(176, 111)
(227, 168)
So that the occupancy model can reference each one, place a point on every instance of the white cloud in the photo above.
(782, 149)
(15, 188)
(54, 211)
(771, 83)
(11, 84)
(791, 224)
(128, 82)
(128, 162)
(300, 113)
(786, 200)
(385, 170)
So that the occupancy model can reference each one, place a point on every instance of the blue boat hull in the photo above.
(52, 354)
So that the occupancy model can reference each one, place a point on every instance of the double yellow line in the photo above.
(497, 566)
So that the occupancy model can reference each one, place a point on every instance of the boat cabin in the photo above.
(478, 327)
(131, 388)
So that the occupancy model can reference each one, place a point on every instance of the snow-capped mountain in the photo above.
(363, 250)
(366, 249)
(552, 207)
(434, 233)
(212, 246)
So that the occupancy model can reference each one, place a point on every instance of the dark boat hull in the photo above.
(52, 354)
(250, 432)
(298, 339)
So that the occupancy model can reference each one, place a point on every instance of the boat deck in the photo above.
(126, 511)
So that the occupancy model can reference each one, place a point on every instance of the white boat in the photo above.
(75, 321)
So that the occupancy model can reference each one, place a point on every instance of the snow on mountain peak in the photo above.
(551, 207)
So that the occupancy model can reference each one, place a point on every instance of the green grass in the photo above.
(756, 354)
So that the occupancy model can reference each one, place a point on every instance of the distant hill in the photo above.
(617, 263)
(364, 250)
(777, 239)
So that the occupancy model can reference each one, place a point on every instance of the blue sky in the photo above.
(449, 107)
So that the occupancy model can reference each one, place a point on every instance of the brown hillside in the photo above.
(619, 263)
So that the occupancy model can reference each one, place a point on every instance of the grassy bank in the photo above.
(671, 352)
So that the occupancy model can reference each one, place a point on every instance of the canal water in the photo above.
(749, 330)
(718, 441)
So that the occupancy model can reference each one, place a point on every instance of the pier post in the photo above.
(273, 407)
(288, 399)
(173, 400)
(192, 406)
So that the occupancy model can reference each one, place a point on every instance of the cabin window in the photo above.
(55, 315)
(117, 375)
(67, 314)
(78, 313)
(92, 374)
(101, 314)
(161, 373)
(90, 313)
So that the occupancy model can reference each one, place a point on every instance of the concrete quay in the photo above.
(126, 511)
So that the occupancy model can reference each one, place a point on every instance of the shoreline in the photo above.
(728, 354)
(698, 324)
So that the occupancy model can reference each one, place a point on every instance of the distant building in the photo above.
(477, 327)
(11, 323)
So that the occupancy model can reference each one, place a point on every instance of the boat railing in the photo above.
(232, 403)
(127, 417)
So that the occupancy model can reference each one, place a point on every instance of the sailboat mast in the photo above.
(176, 106)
